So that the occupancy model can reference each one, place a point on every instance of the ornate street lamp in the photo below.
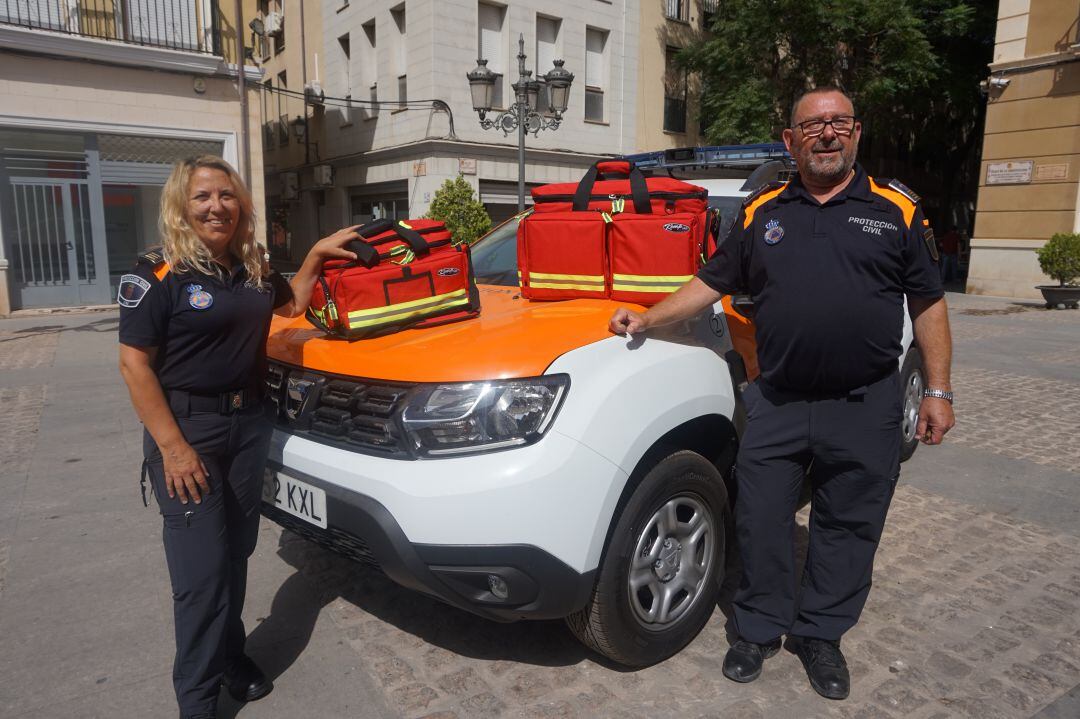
(522, 115)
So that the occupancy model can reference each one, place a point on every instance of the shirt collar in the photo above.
(857, 189)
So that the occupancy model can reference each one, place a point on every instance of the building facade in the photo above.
(97, 100)
(1030, 182)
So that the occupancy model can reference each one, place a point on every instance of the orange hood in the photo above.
(513, 337)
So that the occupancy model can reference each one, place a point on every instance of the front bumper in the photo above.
(536, 518)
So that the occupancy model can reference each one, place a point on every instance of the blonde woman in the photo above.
(194, 318)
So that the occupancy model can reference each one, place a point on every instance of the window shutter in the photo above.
(594, 57)
(490, 37)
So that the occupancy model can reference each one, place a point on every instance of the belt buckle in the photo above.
(233, 401)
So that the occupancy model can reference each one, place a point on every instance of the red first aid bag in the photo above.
(616, 234)
(407, 274)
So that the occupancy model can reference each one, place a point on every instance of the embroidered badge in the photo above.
(199, 298)
(448, 271)
(774, 232)
(931, 244)
(676, 227)
(132, 289)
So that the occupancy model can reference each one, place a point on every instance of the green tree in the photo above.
(911, 66)
(456, 204)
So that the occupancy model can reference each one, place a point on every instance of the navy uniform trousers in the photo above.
(207, 545)
(851, 445)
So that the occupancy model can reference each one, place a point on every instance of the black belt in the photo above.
(226, 402)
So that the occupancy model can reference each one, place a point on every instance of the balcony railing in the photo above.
(189, 25)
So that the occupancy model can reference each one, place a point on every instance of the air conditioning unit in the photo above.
(323, 175)
(314, 94)
(290, 186)
(272, 23)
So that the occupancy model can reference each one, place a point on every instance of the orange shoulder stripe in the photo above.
(907, 207)
(758, 202)
(161, 271)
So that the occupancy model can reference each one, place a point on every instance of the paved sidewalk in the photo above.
(974, 613)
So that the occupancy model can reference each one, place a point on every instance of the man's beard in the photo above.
(831, 169)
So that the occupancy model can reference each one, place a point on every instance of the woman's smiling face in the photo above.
(213, 209)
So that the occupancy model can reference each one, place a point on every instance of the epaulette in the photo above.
(152, 257)
(903, 190)
(767, 187)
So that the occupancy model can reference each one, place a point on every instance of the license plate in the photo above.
(299, 499)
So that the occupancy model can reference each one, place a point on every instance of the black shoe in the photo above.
(201, 715)
(744, 659)
(245, 681)
(825, 666)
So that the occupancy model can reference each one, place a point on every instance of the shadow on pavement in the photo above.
(106, 324)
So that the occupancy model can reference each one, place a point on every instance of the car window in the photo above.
(495, 255)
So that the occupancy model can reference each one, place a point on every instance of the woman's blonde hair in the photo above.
(182, 248)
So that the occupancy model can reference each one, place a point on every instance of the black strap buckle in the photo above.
(233, 401)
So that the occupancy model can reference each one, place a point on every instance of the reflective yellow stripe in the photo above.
(406, 305)
(654, 278)
(566, 286)
(575, 278)
(667, 289)
(398, 316)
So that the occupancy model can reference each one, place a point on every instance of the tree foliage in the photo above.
(456, 204)
(1060, 257)
(911, 66)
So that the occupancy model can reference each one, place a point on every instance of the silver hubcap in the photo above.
(672, 561)
(912, 399)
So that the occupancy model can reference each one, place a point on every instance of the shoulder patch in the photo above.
(132, 290)
(154, 256)
(904, 190)
(931, 244)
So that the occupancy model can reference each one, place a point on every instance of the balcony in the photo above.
(187, 25)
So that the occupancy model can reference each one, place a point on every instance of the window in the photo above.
(279, 36)
(401, 59)
(369, 69)
(709, 10)
(547, 51)
(268, 122)
(345, 50)
(490, 45)
(595, 73)
(282, 109)
(674, 93)
(677, 10)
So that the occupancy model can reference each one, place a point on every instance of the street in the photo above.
(975, 610)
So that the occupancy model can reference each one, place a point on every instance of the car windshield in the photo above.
(495, 255)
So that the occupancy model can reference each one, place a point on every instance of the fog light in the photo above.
(498, 586)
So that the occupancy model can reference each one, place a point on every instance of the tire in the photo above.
(912, 383)
(676, 523)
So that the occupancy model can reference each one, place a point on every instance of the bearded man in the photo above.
(828, 260)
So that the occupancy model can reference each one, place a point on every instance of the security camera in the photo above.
(998, 82)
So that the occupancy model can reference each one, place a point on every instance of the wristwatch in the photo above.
(939, 393)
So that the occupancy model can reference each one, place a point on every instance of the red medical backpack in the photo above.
(407, 274)
(616, 234)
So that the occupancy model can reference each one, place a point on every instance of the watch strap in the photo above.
(939, 393)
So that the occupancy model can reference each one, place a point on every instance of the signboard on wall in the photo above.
(1059, 171)
(1016, 172)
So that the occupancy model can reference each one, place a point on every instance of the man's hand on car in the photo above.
(627, 322)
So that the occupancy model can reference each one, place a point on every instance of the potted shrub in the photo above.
(1060, 258)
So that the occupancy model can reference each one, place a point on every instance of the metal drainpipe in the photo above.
(245, 141)
(303, 79)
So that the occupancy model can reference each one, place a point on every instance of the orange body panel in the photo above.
(512, 337)
(742, 338)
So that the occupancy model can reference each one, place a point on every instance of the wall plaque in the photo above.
(1016, 172)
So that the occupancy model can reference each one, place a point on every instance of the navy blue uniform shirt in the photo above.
(828, 280)
(210, 332)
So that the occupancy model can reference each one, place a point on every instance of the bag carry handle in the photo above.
(368, 256)
(639, 191)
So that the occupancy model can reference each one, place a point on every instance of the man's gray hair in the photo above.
(816, 91)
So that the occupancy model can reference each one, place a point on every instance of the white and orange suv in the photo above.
(526, 464)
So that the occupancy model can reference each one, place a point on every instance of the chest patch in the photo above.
(132, 290)
(199, 298)
(774, 231)
(873, 227)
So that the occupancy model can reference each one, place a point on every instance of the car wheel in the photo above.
(664, 564)
(913, 382)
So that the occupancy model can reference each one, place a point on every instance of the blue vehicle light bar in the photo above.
(712, 156)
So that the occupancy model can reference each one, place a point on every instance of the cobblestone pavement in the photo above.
(975, 610)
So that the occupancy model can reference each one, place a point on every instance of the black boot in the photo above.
(825, 666)
(245, 681)
(744, 659)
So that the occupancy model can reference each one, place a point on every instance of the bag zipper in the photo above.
(704, 194)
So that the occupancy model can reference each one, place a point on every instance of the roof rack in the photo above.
(714, 156)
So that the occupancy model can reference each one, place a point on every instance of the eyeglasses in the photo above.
(843, 125)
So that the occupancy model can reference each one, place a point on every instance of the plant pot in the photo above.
(1058, 297)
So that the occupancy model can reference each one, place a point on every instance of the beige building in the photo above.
(668, 97)
(1030, 178)
(97, 100)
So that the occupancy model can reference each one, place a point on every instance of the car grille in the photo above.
(335, 540)
(360, 415)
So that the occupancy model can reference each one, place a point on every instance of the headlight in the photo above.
(480, 416)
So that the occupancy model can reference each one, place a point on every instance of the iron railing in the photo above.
(190, 25)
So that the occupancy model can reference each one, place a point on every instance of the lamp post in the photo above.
(522, 115)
